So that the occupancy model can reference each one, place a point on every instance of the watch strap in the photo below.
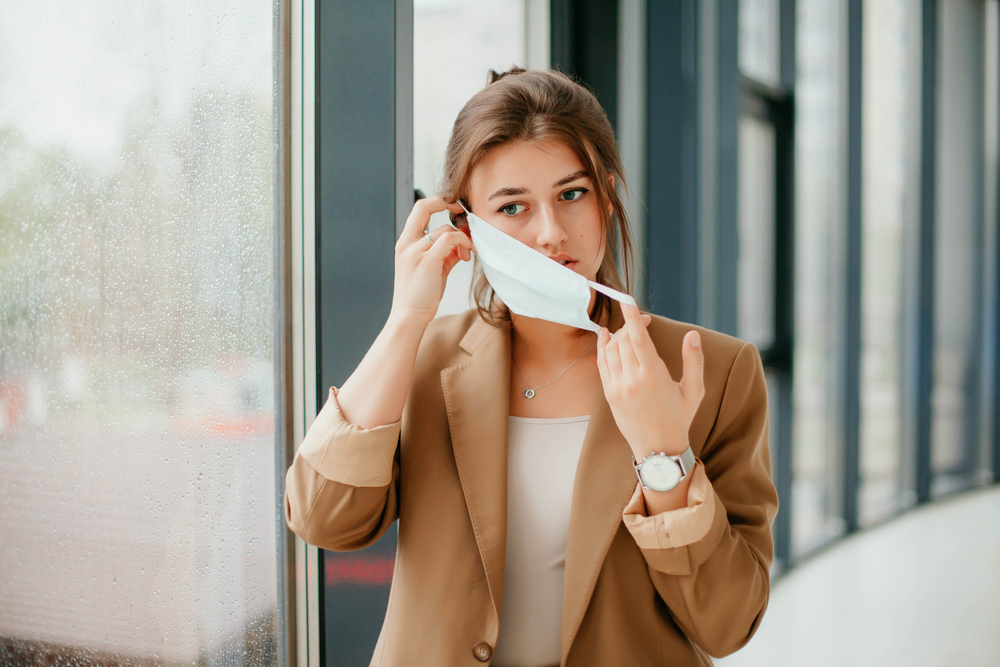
(687, 462)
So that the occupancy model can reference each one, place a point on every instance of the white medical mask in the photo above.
(531, 284)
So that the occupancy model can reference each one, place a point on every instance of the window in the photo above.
(137, 444)
(765, 217)
(760, 40)
(756, 225)
(487, 35)
(889, 106)
(820, 236)
(956, 460)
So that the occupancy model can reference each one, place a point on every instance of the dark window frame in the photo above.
(364, 190)
(774, 105)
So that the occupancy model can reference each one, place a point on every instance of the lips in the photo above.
(566, 260)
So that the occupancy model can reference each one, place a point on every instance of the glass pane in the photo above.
(819, 275)
(991, 214)
(488, 34)
(137, 474)
(888, 105)
(755, 270)
(760, 40)
(357, 593)
(777, 388)
(957, 443)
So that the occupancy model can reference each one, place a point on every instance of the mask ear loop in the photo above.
(467, 212)
(613, 293)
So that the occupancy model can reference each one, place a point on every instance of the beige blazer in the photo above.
(672, 589)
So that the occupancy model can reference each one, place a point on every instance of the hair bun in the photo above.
(495, 76)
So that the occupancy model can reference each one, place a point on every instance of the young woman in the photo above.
(597, 494)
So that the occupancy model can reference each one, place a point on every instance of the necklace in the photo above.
(528, 391)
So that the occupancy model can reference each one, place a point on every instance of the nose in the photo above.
(549, 231)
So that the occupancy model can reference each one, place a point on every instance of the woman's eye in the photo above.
(573, 195)
(512, 209)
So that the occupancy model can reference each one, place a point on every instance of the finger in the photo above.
(646, 319)
(602, 361)
(456, 209)
(630, 362)
(446, 239)
(464, 251)
(421, 215)
(444, 244)
(635, 320)
(435, 233)
(631, 313)
(642, 344)
(613, 358)
(451, 260)
(693, 381)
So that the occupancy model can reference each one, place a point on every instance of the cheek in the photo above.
(519, 232)
(598, 259)
(591, 238)
(521, 235)
(601, 248)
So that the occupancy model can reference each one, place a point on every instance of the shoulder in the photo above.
(724, 354)
(451, 329)
(445, 337)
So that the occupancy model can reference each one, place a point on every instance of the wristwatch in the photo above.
(659, 472)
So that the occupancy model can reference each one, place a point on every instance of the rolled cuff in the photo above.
(676, 528)
(349, 454)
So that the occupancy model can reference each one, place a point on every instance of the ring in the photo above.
(427, 233)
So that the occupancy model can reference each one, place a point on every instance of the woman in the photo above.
(561, 498)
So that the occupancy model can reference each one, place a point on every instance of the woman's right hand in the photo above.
(422, 268)
(375, 393)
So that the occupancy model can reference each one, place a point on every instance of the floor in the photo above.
(922, 590)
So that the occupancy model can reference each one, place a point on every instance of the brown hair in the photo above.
(529, 105)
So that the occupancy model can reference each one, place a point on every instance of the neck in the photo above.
(535, 338)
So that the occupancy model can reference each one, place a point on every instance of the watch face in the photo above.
(660, 473)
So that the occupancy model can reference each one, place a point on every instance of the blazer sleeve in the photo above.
(710, 561)
(341, 491)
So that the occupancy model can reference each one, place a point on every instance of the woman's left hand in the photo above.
(652, 411)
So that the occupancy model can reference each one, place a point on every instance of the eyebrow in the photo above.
(511, 192)
(507, 192)
(572, 177)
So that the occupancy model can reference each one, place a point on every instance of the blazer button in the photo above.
(482, 651)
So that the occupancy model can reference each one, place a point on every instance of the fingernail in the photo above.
(695, 340)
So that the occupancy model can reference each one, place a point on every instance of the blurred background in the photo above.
(198, 203)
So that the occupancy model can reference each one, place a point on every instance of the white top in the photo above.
(541, 465)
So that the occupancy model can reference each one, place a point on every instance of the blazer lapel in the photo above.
(477, 398)
(604, 482)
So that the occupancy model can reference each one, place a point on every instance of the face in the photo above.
(539, 193)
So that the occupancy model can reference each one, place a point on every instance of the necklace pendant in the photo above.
(529, 393)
